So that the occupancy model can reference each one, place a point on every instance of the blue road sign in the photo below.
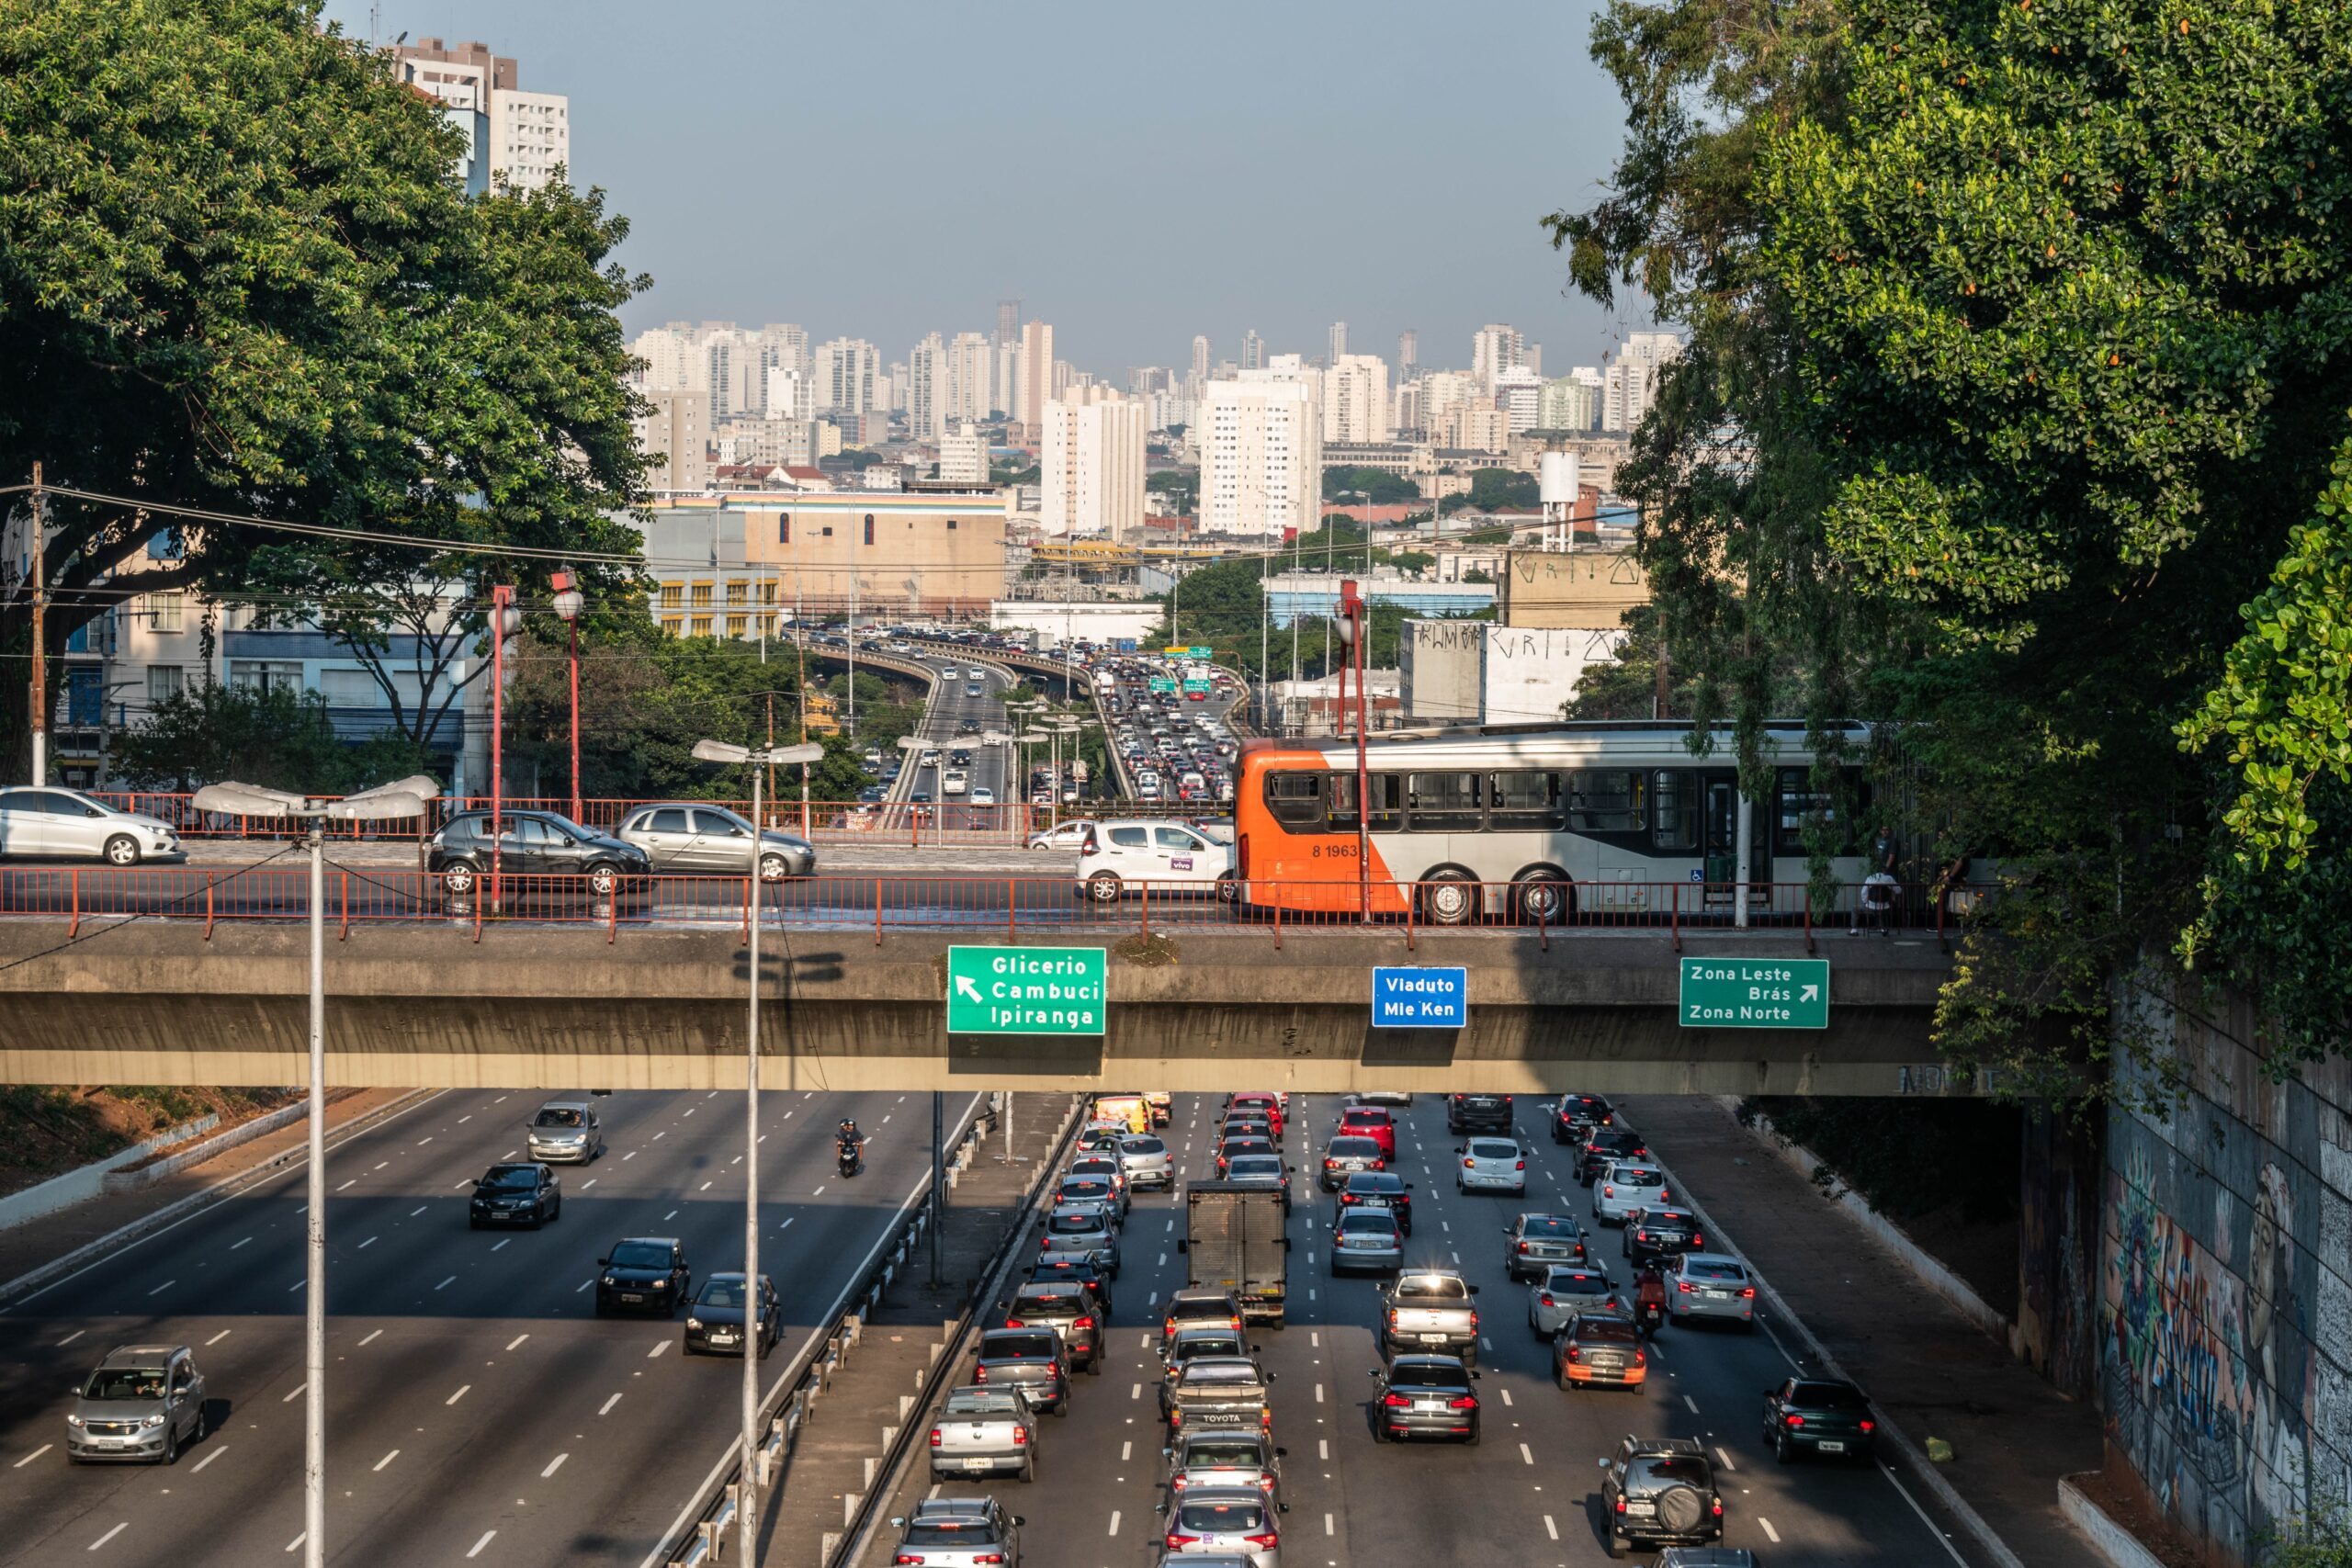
(1421, 998)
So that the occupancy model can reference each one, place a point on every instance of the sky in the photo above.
(1132, 173)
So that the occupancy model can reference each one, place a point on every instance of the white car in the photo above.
(953, 782)
(1117, 858)
(983, 796)
(1626, 1185)
(1068, 836)
(64, 824)
(1491, 1165)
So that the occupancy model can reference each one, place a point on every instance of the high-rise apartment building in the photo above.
(1518, 392)
(1629, 385)
(1338, 342)
(1253, 351)
(1409, 354)
(1355, 397)
(964, 454)
(517, 136)
(790, 394)
(1478, 427)
(1090, 460)
(971, 362)
(848, 376)
(1033, 377)
(1008, 322)
(1495, 348)
(1570, 401)
(1443, 394)
(1200, 357)
(676, 433)
(1261, 439)
(926, 393)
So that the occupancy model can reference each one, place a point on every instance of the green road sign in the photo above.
(1195, 685)
(1755, 993)
(1025, 990)
(1198, 652)
(1161, 684)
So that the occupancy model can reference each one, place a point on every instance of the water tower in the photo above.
(1557, 482)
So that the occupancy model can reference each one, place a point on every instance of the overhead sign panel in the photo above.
(1025, 990)
(1421, 998)
(1755, 993)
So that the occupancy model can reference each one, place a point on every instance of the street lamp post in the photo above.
(504, 620)
(747, 1494)
(1351, 635)
(404, 799)
(569, 602)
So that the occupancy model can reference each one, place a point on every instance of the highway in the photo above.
(478, 1409)
(1525, 1496)
(950, 708)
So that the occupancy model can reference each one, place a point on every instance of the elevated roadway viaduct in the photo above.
(552, 1007)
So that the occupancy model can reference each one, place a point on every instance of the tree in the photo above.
(236, 275)
(273, 737)
(1379, 486)
(1491, 487)
(1415, 562)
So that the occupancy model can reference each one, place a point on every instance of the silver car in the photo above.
(142, 1404)
(1223, 1521)
(1491, 1165)
(699, 839)
(1084, 1227)
(1146, 1162)
(959, 1532)
(1225, 1456)
(49, 823)
(1624, 1186)
(1366, 1238)
(1710, 1284)
(1567, 1289)
(565, 1131)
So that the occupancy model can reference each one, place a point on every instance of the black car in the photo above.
(1660, 1492)
(1477, 1113)
(1605, 1146)
(1384, 1188)
(523, 1193)
(1029, 1359)
(644, 1274)
(1818, 1415)
(1662, 1234)
(1082, 1266)
(1233, 1148)
(1424, 1396)
(1576, 1113)
(715, 1319)
(554, 856)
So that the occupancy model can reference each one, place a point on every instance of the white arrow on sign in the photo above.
(1809, 994)
(964, 984)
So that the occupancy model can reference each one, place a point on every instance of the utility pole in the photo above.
(41, 614)
(938, 1181)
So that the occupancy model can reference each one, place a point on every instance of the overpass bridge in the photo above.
(1202, 1008)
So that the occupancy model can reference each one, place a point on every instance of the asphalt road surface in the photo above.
(1527, 1495)
(477, 1408)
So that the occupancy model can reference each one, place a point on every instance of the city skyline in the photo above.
(1171, 179)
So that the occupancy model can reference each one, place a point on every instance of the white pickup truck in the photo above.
(984, 1431)
(1430, 1310)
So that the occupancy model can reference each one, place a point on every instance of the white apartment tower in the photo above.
(521, 138)
(1409, 354)
(1091, 472)
(1338, 342)
(1253, 351)
(964, 455)
(1495, 348)
(1261, 440)
(1629, 386)
(971, 365)
(1355, 397)
(1032, 375)
(1519, 392)
(927, 396)
(1200, 357)
(848, 376)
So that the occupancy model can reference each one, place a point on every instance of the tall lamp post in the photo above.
(505, 620)
(747, 1494)
(569, 602)
(385, 803)
(1351, 636)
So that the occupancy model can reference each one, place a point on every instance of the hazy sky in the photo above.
(1133, 173)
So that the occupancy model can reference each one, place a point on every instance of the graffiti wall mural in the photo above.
(2225, 1314)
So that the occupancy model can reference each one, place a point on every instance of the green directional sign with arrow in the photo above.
(1755, 993)
(1025, 990)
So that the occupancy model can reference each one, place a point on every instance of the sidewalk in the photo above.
(27, 1246)
(1928, 1370)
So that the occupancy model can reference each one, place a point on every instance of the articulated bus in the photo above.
(1536, 823)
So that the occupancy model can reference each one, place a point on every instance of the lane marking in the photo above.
(296, 1544)
(1506, 1394)
(657, 1350)
(1550, 1529)
(32, 1456)
(371, 1338)
(418, 1210)
(670, 1216)
(1323, 1448)
(590, 1182)
(353, 1182)
(1318, 1394)
(381, 1164)
(1726, 1460)
(584, 1284)
(820, 1186)
(446, 1283)
(1766, 1526)
(489, 1536)
(625, 1159)
(109, 1535)
(1692, 1403)
(453, 1399)
(1135, 1393)
(502, 1242)
(465, 1118)
(296, 1286)
(295, 1394)
(553, 1465)
(387, 1458)
(658, 1136)
(234, 1244)
(606, 1408)
(517, 1340)
(1525, 1455)
(161, 1289)
(217, 1338)
(371, 1241)
(1114, 1522)
(218, 1450)
(1126, 1453)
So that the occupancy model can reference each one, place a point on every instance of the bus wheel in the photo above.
(1448, 899)
(1543, 898)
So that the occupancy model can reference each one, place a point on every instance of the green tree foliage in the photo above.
(1383, 488)
(235, 273)
(2322, 1540)
(275, 738)
(1491, 487)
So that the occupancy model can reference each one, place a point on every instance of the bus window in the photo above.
(1677, 827)
(1801, 804)
(1524, 802)
(1295, 799)
(1606, 800)
(1388, 795)
(1443, 803)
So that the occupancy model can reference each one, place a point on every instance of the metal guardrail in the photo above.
(800, 1392)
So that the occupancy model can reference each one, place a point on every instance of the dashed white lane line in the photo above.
(353, 1182)
(1318, 1394)
(819, 1193)
(387, 1458)
(1726, 1460)
(218, 1450)
(465, 1118)
(1315, 1337)
(606, 1408)
(296, 1286)
(32, 1456)
(296, 1544)
(689, 1110)
(628, 1156)
(381, 1164)
(502, 1242)
(1113, 1531)
(1126, 1453)
(1550, 1529)
(1323, 1448)
(1692, 1403)
(1329, 1527)
(111, 1535)
(1135, 1393)
(517, 1340)
(584, 1284)
(1766, 1526)
(1506, 1394)
(372, 1337)
(79, 1332)
(234, 1244)
(706, 1186)
(657, 1350)
(371, 1241)
(422, 1207)
(462, 1390)
(489, 1536)
(658, 1136)
(590, 1182)
(295, 1395)
(161, 1289)
(1525, 1455)
(446, 1283)
(553, 1465)
(787, 1221)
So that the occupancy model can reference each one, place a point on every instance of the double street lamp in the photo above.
(1352, 637)
(757, 758)
(569, 602)
(386, 803)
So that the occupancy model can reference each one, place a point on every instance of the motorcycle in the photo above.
(849, 1158)
(1649, 1317)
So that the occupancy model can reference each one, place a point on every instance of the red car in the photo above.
(1370, 1122)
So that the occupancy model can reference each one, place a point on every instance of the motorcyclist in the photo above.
(1649, 1296)
(847, 1142)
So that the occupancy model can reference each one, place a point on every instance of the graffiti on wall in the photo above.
(2206, 1374)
